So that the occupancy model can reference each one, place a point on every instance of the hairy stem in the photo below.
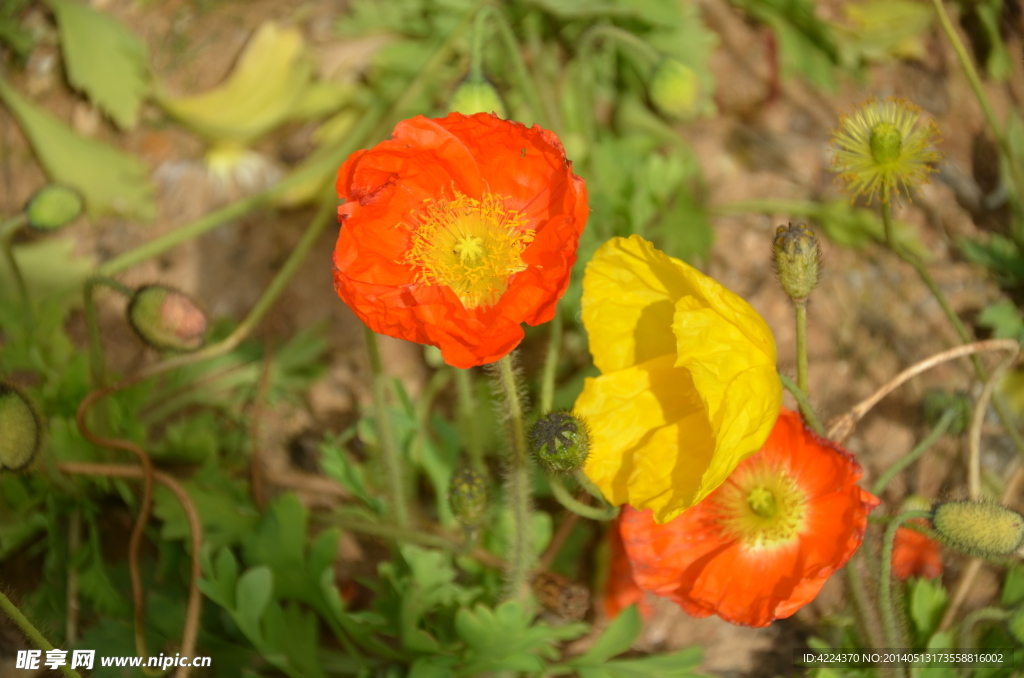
(810, 416)
(971, 620)
(885, 581)
(910, 457)
(31, 632)
(518, 486)
(801, 344)
(573, 504)
(97, 361)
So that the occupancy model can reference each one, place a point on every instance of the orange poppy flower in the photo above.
(457, 230)
(915, 555)
(620, 590)
(763, 544)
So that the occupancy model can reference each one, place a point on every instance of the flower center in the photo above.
(471, 246)
(886, 142)
(762, 507)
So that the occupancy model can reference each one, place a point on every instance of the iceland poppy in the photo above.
(457, 230)
(763, 544)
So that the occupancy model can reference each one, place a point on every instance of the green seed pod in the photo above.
(675, 89)
(53, 207)
(937, 401)
(1015, 625)
(467, 495)
(477, 97)
(560, 442)
(20, 430)
(979, 528)
(797, 257)
(167, 319)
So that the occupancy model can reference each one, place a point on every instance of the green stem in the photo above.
(476, 47)
(7, 231)
(97, 361)
(467, 417)
(570, 502)
(885, 581)
(810, 416)
(801, 344)
(386, 434)
(910, 457)
(861, 603)
(547, 379)
(31, 632)
(922, 271)
(518, 486)
(986, 106)
(639, 46)
(969, 622)
(522, 75)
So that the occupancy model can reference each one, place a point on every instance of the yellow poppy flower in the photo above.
(688, 385)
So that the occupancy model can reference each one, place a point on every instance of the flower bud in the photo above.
(467, 495)
(937, 401)
(477, 97)
(675, 89)
(20, 430)
(979, 528)
(167, 319)
(53, 207)
(797, 259)
(560, 442)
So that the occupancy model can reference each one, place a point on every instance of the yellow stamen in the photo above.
(472, 246)
(762, 507)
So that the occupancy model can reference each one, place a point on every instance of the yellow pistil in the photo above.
(762, 507)
(471, 246)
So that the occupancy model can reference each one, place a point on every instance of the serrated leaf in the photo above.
(886, 28)
(251, 597)
(103, 59)
(679, 664)
(1003, 318)
(926, 601)
(111, 181)
(504, 639)
(616, 639)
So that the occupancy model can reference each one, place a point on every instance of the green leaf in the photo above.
(654, 12)
(251, 597)
(1004, 319)
(51, 270)
(111, 181)
(1013, 586)
(336, 464)
(616, 639)
(999, 255)
(104, 59)
(926, 601)
(503, 639)
(432, 667)
(679, 664)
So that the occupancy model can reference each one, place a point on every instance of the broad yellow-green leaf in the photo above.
(103, 59)
(266, 86)
(887, 28)
(111, 181)
(50, 268)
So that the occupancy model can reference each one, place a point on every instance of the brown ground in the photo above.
(869, 318)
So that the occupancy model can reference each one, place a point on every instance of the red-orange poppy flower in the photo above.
(620, 590)
(457, 230)
(763, 544)
(915, 554)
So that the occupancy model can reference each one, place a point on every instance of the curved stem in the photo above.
(800, 307)
(476, 47)
(386, 434)
(570, 502)
(885, 581)
(639, 46)
(518, 486)
(522, 75)
(910, 457)
(97, 362)
(547, 378)
(810, 416)
(31, 631)
(7, 231)
(978, 418)
(971, 620)
(194, 606)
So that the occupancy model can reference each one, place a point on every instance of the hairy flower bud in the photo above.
(167, 319)
(20, 430)
(467, 495)
(675, 89)
(797, 260)
(53, 207)
(937, 401)
(560, 442)
(979, 528)
(477, 97)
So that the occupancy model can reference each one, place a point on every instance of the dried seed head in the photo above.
(560, 442)
(167, 319)
(797, 260)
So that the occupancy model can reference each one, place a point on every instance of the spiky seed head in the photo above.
(467, 495)
(560, 442)
(20, 430)
(977, 528)
(797, 255)
(167, 319)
